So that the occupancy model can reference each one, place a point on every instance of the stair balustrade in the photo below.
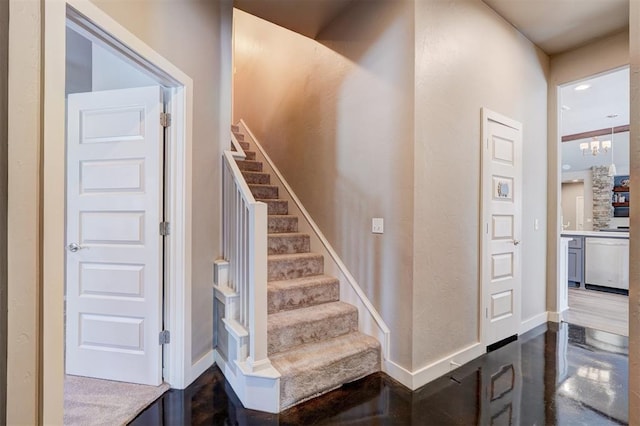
(245, 249)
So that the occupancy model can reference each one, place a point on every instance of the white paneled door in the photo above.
(114, 248)
(501, 233)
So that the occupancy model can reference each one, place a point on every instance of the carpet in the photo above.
(103, 402)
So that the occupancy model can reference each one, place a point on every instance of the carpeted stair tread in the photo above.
(288, 329)
(288, 242)
(302, 292)
(256, 177)
(264, 192)
(244, 145)
(282, 224)
(316, 368)
(250, 155)
(249, 165)
(235, 128)
(289, 266)
(239, 136)
(276, 207)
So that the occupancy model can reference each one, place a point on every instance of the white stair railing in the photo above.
(245, 249)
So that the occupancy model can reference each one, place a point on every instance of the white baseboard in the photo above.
(258, 391)
(414, 380)
(398, 373)
(201, 366)
(556, 316)
(533, 322)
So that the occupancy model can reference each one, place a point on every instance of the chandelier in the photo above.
(595, 147)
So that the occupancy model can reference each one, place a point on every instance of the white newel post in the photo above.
(258, 288)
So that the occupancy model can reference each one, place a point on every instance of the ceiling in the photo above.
(586, 110)
(553, 25)
(560, 25)
(306, 17)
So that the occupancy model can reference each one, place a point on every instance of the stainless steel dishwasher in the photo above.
(607, 262)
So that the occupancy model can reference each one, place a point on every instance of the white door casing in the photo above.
(114, 208)
(501, 227)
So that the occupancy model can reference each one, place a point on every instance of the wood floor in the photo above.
(599, 310)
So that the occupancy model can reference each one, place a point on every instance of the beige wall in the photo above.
(336, 116)
(25, 94)
(597, 57)
(189, 35)
(467, 57)
(4, 85)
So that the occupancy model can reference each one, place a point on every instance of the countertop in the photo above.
(600, 234)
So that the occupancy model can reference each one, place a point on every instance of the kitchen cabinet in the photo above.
(575, 262)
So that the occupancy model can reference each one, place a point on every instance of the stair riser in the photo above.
(257, 178)
(250, 166)
(250, 155)
(264, 192)
(244, 145)
(239, 136)
(282, 339)
(311, 383)
(282, 224)
(277, 207)
(302, 297)
(286, 269)
(288, 244)
(235, 128)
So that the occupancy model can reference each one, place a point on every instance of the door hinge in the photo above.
(165, 228)
(165, 337)
(165, 119)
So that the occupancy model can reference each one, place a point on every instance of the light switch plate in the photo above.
(377, 225)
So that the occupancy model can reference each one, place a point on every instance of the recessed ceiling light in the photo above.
(566, 167)
(582, 87)
(575, 180)
(566, 107)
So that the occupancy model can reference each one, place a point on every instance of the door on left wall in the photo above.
(114, 257)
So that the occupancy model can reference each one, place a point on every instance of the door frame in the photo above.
(488, 115)
(177, 305)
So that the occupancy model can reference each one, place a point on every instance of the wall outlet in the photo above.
(377, 225)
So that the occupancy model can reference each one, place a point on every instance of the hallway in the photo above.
(552, 375)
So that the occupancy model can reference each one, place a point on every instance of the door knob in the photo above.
(516, 242)
(74, 247)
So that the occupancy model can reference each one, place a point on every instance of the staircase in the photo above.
(312, 337)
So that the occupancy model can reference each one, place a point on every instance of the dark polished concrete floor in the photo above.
(553, 375)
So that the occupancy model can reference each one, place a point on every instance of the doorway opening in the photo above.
(96, 26)
(594, 147)
(114, 208)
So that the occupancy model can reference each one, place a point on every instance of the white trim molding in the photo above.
(533, 322)
(201, 366)
(420, 377)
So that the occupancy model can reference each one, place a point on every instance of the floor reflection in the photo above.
(552, 375)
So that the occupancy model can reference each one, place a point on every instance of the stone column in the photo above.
(602, 185)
